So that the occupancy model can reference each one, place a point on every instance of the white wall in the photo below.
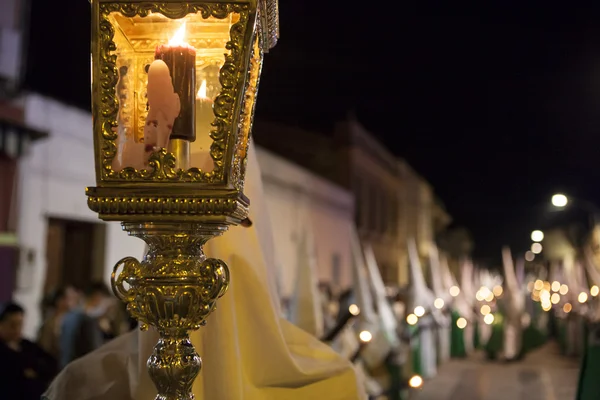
(297, 200)
(52, 181)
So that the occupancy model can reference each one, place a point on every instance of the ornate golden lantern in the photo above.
(174, 87)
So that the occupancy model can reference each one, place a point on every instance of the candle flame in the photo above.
(177, 39)
(202, 91)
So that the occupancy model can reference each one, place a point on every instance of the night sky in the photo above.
(498, 107)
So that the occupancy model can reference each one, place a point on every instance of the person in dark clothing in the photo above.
(81, 332)
(25, 369)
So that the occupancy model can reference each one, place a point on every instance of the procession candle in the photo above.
(204, 115)
(180, 57)
(204, 118)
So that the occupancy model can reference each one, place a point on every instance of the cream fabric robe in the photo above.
(249, 352)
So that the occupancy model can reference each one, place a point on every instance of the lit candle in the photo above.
(163, 107)
(204, 118)
(180, 59)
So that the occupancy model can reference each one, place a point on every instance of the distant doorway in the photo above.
(74, 252)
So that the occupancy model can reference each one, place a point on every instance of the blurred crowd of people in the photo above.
(75, 322)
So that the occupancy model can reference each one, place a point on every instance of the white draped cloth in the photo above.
(423, 296)
(513, 330)
(249, 352)
(444, 321)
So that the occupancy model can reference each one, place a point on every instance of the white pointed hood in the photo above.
(306, 310)
(591, 267)
(362, 288)
(435, 269)
(386, 313)
(511, 285)
(467, 285)
(447, 279)
(422, 295)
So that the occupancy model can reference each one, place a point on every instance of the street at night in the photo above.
(544, 375)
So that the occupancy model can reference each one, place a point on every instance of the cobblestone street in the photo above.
(544, 375)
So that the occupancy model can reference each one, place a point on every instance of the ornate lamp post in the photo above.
(174, 87)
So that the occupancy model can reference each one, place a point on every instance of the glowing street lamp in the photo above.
(529, 256)
(559, 200)
(537, 236)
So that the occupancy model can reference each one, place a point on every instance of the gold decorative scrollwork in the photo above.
(130, 270)
(162, 164)
(247, 116)
(175, 287)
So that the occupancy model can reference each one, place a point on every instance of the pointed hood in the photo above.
(591, 267)
(466, 281)
(385, 311)
(362, 289)
(435, 269)
(306, 310)
(421, 294)
(511, 286)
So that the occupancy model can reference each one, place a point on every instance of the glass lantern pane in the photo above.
(168, 80)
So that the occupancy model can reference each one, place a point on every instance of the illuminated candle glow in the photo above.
(180, 57)
(204, 118)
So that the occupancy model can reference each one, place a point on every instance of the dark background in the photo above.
(497, 106)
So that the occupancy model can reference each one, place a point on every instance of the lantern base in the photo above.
(174, 289)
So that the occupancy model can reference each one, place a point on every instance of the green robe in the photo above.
(415, 345)
(589, 384)
(457, 338)
(477, 336)
(495, 343)
(534, 335)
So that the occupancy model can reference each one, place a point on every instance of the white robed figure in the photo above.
(559, 249)
(515, 308)
(466, 302)
(306, 310)
(249, 352)
(423, 297)
(443, 319)
(374, 354)
(593, 272)
(489, 281)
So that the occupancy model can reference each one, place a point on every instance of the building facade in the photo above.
(392, 202)
(15, 137)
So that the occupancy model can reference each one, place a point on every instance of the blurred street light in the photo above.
(529, 256)
(559, 200)
(564, 289)
(454, 291)
(415, 382)
(365, 336)
(536, 248)
(537, 236)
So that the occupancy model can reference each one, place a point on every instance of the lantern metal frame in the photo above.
(176, 211)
